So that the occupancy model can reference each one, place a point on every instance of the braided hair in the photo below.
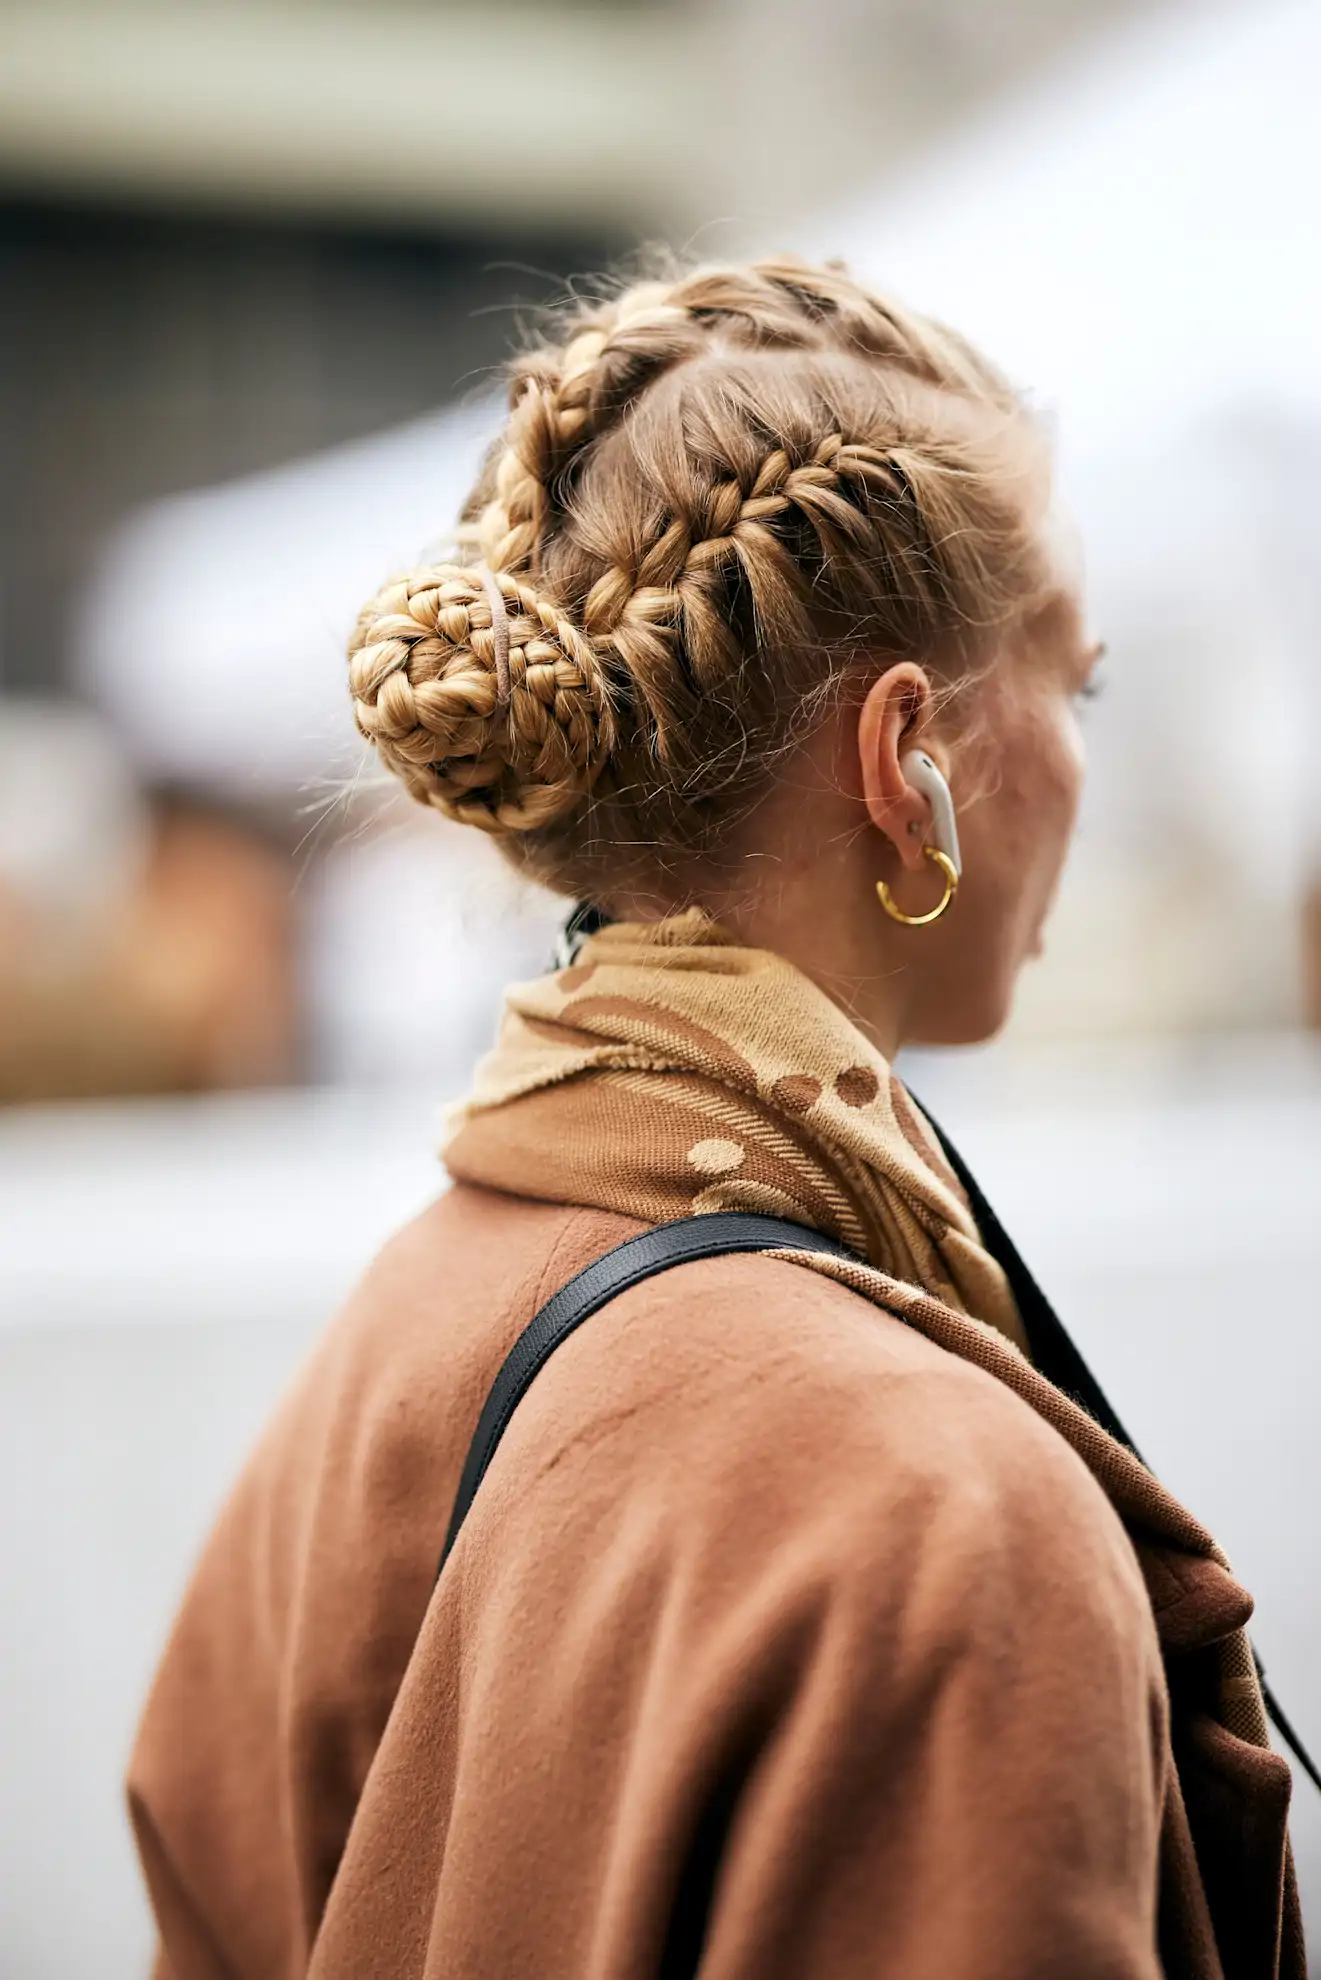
(717, 501)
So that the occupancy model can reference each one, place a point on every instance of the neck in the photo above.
(835, 943)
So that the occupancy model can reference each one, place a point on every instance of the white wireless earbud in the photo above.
(925, 776)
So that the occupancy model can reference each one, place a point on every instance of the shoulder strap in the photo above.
(1054, 1353)
(627, 1265)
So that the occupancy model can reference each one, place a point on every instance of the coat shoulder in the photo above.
(752, 1395)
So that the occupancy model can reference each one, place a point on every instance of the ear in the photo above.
(895, 716)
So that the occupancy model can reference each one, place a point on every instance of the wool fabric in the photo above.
(799, 1626)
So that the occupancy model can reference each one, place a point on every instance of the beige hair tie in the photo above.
(499, 632)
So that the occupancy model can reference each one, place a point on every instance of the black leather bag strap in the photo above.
(1054, 1353)
(628, 1264)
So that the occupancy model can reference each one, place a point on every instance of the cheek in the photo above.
(1067, 764)
(1052, 788)
(1028, 822)
(1050, 753)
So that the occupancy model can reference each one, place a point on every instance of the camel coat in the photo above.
(775, 1632)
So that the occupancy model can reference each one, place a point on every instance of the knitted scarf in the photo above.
(672, 1071)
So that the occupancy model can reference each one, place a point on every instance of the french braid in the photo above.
(713, 498)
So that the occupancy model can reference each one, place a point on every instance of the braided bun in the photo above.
(423, 676)
(717, 498)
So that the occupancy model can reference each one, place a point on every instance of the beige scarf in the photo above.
(671, 1071)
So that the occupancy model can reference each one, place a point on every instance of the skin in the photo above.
(842, 816)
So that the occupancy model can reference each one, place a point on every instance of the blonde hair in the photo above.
(713, 498)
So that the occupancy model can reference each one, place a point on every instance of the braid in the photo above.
(423, 676)
(559, 402)
(669, 619)
(714, 495)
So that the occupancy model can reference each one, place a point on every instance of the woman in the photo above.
(801, 1625)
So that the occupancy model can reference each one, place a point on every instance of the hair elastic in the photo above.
(499, 632)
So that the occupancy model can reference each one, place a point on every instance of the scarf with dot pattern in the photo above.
(671, 1071)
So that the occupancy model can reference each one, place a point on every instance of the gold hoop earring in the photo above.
(951, 873)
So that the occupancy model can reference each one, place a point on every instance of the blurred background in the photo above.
(256, 266)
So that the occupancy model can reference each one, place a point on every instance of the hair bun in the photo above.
(423, 676)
